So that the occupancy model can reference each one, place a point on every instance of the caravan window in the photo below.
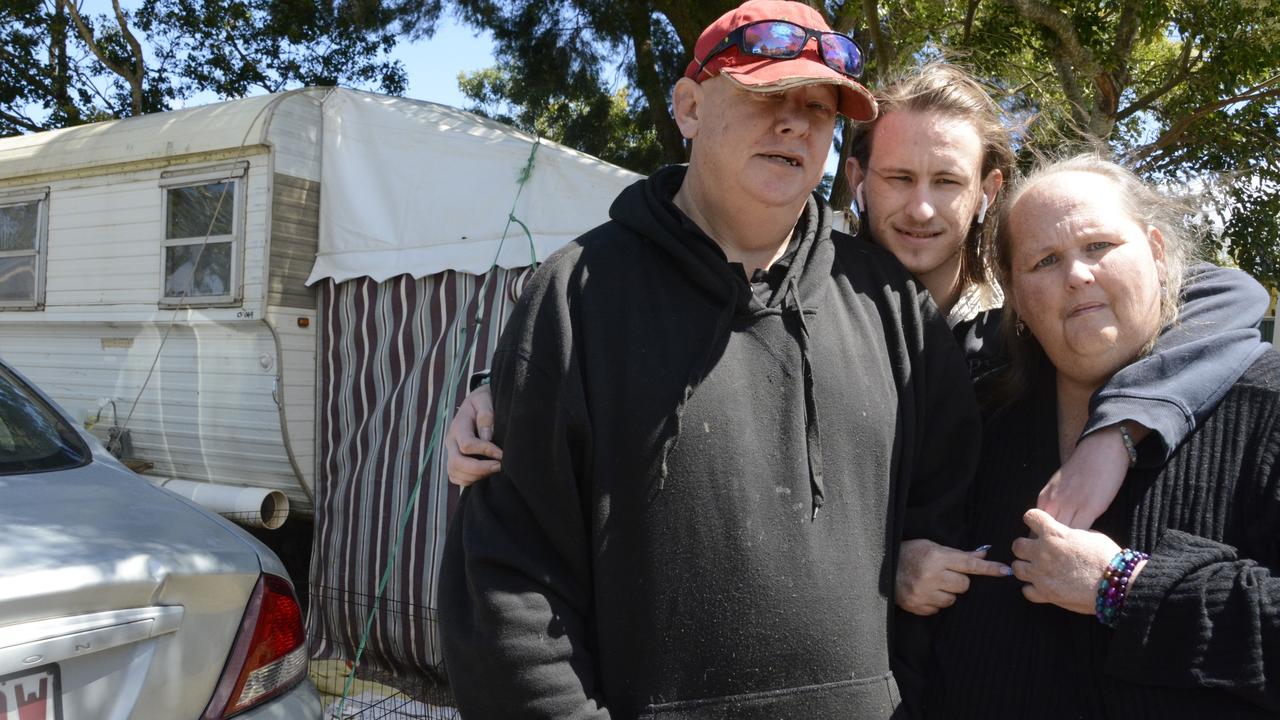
(201, 236)
(22, 242)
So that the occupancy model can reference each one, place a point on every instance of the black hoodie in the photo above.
(702, 492)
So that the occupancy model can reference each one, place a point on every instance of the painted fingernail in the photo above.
(984, 548)
(1006, 570)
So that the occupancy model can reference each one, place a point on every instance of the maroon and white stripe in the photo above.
(388, 352)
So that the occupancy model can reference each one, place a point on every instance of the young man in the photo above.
(718, 425)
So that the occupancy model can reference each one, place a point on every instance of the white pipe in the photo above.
(251, 506)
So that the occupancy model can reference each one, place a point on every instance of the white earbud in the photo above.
(982, 211)
(860, 198)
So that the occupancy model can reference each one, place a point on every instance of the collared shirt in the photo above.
(764, 283)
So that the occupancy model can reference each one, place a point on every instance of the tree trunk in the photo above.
(690, 17)
(669, 137)
(139, 69)
(841, 193)
(881, 42)
(60, 82)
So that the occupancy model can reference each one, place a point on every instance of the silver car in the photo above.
(121, 600)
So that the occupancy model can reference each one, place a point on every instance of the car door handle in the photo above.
(58, 639)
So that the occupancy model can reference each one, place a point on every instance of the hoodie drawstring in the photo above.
(813, 437)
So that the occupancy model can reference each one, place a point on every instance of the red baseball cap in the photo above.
(759, 74)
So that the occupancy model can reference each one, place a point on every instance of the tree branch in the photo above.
(1107, 102)
(22, 122)
(125, 74)
(1056, 22)
(969, 14)
(87, 36)
(655, 95)
(688, 19)
(845, 18)
(1181, 74)
(1126, 32)
(134, 46)
(59, 86)
(1070, 86)
(260, 78)
(139, 63)
(16, 64)
(1266, 89)
(87, 81)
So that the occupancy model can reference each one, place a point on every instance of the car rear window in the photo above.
(33, 437)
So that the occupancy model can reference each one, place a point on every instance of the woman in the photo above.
(1091, 260)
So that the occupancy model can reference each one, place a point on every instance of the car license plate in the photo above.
(34, 694)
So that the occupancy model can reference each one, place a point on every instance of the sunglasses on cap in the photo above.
(783, 40)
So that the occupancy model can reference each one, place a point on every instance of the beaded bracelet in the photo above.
(1114, 585)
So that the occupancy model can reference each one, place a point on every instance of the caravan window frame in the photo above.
(237, 175)
(40, 196)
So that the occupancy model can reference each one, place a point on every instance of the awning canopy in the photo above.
(418, 188)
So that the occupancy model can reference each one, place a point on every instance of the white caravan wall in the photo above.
(209, 410)
(298, 347)
(294, 133)
(104, 247)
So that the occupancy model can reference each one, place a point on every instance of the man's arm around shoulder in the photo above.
(515, 594)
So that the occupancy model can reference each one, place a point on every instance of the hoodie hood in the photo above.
(647, 209)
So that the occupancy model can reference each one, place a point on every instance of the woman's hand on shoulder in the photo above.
(472, 456)
(1061, 565)
(931, 576)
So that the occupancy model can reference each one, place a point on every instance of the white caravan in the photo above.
(155, 272)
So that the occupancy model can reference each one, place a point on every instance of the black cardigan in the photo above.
(1199, 636)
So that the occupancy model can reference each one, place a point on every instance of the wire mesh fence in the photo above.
(387, 684)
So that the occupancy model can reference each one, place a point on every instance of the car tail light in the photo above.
(269, 655)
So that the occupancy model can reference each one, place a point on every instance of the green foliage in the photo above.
(566, 71)
(234, 47)
(230, 48)
(27, 82)
(594, 122)
(1251, 228)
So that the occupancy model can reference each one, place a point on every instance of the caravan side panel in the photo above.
(209, 410)
(104, 244)
(297, 345)
(295, 236)
(294, 134)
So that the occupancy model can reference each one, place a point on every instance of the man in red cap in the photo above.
(717, 423)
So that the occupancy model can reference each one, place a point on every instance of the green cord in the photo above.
(442, 415)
